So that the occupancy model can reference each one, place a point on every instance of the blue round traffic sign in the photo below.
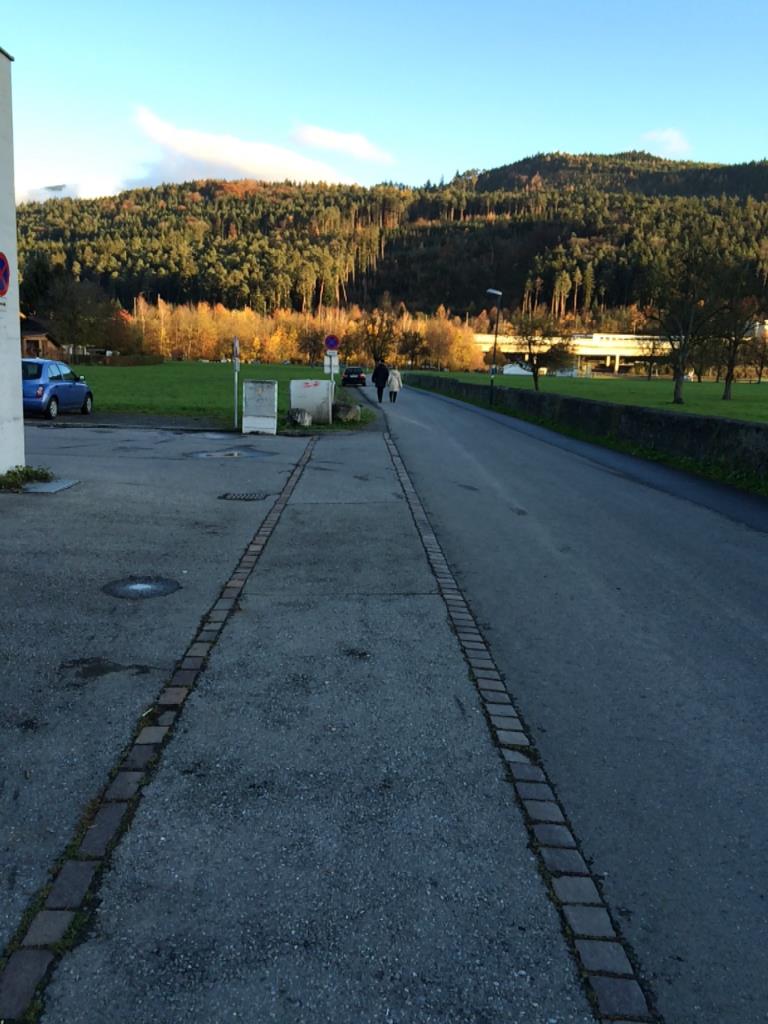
(332, 342)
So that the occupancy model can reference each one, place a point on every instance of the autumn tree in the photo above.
(411, 346)
(377, 333)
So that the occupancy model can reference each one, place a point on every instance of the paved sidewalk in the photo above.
(330, 834)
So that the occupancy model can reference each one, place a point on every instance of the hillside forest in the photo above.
(629, 242)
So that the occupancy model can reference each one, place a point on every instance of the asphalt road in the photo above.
(330, 834)
(626, 605)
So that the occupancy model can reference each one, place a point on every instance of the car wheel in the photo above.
(52, 409)
(87, 408)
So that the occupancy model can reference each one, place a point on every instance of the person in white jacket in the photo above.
(394, 383)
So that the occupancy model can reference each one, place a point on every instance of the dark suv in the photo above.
(353, 377)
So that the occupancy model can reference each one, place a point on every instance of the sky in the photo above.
(109, 96)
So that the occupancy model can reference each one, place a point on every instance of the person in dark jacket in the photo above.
(380, 376)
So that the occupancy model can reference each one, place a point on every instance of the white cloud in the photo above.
(189, 152)
(668, 142)
(351, 143)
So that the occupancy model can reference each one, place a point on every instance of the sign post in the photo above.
(236, 367)
(331, 361)
(11, 412)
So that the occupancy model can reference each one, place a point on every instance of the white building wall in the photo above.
(11, 412)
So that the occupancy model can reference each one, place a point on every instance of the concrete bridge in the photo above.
(590, 350)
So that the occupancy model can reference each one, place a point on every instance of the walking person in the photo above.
(394, 383)
(380, 376)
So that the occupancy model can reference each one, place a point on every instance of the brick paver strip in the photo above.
(491, 684)
(570, 889)
(507, 722)
(71, 885)
(138, 757)
(495, 697)
(21, 976)
(48, 927)
(514, 756)
(601, 957)
(534, 791)
(124, 785)
(152, 734)
(183, 677)
(489, 674)
(526, 772)
(173, 696)
(504, 712)
(193, 663)
(570, 862)
(512, 739)
(589, 921)
(543, 810)
(103, 830)
(619, 997)
(198, 650)
(495, 687)
(167, 718)
(554, 835)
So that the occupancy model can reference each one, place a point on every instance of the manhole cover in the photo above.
(136, 588)
(249, 496)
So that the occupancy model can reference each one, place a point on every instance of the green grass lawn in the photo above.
(749, 402)
(188, 389)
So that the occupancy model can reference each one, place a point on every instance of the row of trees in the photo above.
(706, 311)
(205, 331)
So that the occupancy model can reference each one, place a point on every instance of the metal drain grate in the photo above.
(248, 496)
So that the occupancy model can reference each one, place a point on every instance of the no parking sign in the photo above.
(5, 274)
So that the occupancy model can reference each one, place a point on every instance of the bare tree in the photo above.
(543, 343)
(686, 300)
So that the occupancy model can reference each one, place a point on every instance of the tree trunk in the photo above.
(678, 395)
(730, 369)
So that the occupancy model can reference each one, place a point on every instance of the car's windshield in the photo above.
(354, 369)
(31, 371)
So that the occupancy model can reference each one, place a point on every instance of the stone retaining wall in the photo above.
(736, 446)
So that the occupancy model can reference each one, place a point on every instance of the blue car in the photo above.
(50, 387)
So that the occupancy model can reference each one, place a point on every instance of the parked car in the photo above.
(353, 377)
(50, 387)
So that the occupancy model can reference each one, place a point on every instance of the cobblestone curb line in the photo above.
(56, 918)
(612, 983)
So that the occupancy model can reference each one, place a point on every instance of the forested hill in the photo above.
(630, 172)
(579, 234)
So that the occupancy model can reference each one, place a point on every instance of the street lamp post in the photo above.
(497, 295)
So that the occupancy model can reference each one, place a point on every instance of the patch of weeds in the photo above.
(15, 478)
